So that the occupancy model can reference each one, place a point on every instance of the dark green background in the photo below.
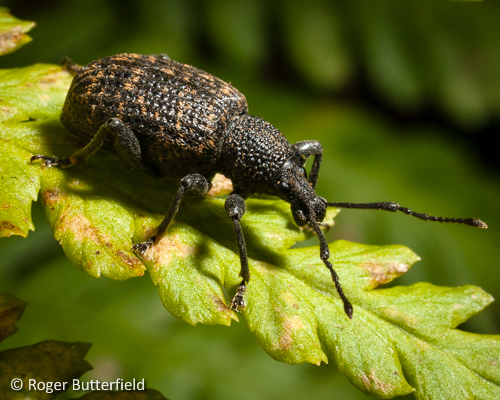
(405, 98)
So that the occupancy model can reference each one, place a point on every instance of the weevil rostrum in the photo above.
(172, 119)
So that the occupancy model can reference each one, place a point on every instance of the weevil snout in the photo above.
(294, 187)
(312, 209)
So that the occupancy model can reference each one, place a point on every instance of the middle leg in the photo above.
(197, 185)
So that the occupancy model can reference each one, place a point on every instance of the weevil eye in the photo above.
(320, 206)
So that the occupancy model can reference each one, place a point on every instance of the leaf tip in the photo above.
(7, 228)
(13, 35)
(381, 273)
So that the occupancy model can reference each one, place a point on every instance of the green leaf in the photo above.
(12, 32)
(26, 93)
(401, 339)
(11, 309)
(35, 92)
(49, 361)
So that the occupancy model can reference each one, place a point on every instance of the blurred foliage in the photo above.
(13, 32)
(52, 364)
(426, 56)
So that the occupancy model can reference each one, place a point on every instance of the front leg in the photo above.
(324, 253)
(303, 150)
(235, 207)
(195, 184)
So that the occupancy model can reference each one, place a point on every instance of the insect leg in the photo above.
(325, 255)
(235, 207)
(124, 141)
(305, 149)
(70, 66)
(195, 184)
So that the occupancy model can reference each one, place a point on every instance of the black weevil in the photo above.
(171, 119)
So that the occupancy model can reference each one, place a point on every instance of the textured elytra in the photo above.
(177, 112)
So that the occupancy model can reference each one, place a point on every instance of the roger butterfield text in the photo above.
(77, 385)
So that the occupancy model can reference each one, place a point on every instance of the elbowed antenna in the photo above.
(393, 207)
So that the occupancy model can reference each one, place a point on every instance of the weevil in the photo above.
(173, 120)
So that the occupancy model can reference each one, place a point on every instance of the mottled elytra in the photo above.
(171, 119)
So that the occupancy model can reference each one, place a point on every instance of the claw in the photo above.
(50, 161)
(141, 248)
(238, 302)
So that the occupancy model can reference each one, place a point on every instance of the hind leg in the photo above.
(70, 66)
(124, 142)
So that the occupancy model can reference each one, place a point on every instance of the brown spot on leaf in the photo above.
(50, 197)
(10, 229)
(10, 38)
(289, 325)
(373, 381)
(272, 235)
(366, 381)
(384, 272)
(162, 252)
(220, 186)
(221, 306)
(395, 314)
(5, 206)
(131, 261)
(48, 80)
(286, 341)
(81, 228)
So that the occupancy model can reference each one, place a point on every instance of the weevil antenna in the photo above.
(393, 207)
(324, 255)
